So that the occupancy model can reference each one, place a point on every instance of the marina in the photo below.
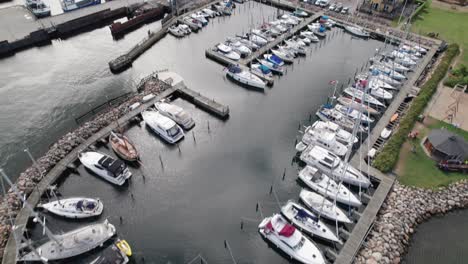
(239, 154)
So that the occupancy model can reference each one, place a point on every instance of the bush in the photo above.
(457, 76)
(388, 157)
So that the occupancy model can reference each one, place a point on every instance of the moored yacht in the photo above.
(358, 106)
(357, 31)
(244, 77)
(176, 113)
(163, 126)
(323, 207)
(74, 207)
(283, 56)
(307, 221)
(342, 135)
(38, 8)
(358, 95)
(112, 170)
(353, 113)
(274, 68)
(325, 139)
(274, 59)
(322, 184)
(290, 240)
(227, 52)
(332, 165)
(330, 114)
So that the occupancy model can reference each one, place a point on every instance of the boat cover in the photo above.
(325, 17)
(116, 167)
(85, 205)
(328, 106)
(303, 215)
(275, 59)
(287, 230)
(234, 69)
(264, 69)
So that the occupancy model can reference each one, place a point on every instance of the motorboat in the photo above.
(261, 70)
(112, 170)
(323, 207)
(274, 59)
(194, 25)
(357, 31)
(70, 5)
(255, 39)
(342, 135)
(209, 12)
(72, 243)
(333, 166)
(299, 50)
(249, 44)
(300, 13)
(300, 41)
(227, 52)
(239, 48)
(359, 95)
(305, 39)
(200, 18)
(111, 255)
(175, 31)
(74, 207)
(295, 43)
(263, 34)
(185, 29)
(307, 222)
(283, 56)
(274, 68)
(38, 8)
(287, 50)
(176, 113)
(124, 247)
(325, 139)
(291, 241)
(123, 147)
(330, 114)
(244, 77)
(358, 106)
(353, 113)
(322, 184)
(163, 126)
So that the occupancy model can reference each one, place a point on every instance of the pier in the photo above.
(210, 105)
(20, 29)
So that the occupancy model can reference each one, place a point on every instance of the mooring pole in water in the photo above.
(208, 126)
(193, 135)
(226, 245)
(284, 173)
(259, 209)
(160, 160)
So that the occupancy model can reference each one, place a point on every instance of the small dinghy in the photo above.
(291, 241)
(322, 184)
(307, 222)
(123, 147)
(385, 133)
(244, 77)
(124, 247)
(75, 208)
(284, 56)
(112, 170)
(358, 106)
(323, 207)
(274, 68)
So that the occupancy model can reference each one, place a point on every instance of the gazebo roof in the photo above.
(448, 143)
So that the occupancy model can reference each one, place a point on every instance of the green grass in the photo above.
(421, 171)
(450, 24)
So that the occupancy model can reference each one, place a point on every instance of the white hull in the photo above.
(247, 78)
(74, 207)
(323, 207)
(91, 159)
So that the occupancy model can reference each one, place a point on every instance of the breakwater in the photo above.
(404, 209)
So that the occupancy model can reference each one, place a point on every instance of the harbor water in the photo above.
(184, 200)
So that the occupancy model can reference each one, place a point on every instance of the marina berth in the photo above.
(274, 68)
(322, 184)
(353, 113)
(261, 70)
(307, 222)
(176, 113)
(176, 31)
(72, 243)
(244, 77)
(74, 207)
(286, 57)
(163, 126)
(333, 166)
(38, 8)
(358, 95)
(274, 59)
(329, 114)
(113, 170)
(291, 241)
(323, 207)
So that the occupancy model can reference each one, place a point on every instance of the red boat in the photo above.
(142, 15)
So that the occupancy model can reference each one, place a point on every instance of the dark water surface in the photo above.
(223, 168)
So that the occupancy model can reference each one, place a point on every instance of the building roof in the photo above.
(448, 143)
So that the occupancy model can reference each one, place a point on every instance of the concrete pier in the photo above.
(203, 102)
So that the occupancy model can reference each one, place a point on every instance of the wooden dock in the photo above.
(58, 170)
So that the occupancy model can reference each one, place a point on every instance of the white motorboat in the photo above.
(309, 34)
(239, 48)
(327, 187)
(375, 82)
(300, 13)
(305, 39)
(380, 93)
(353, 113)
(263, 34)
(287, 50)
(358, 95)
(330, 114)
(274, 59)
(274, 68)
(261, 70)
(75, 207)
(194, 25)
(325, 139)
(244, 77)
(295, 42)
(112, 170)
(163, 126)
(290, 240)
(227, 52)
(72, 243)
(209, 12)
(255, 39)
(176, 113)
(200, 18)
(342, 135)
(38, 8)
(299, 50)
(284, 56)
(175, 31)
(185, 29)
(357, 31)
(323, 207)
(249, 44)
(385, 133)
(332, 165)
(307, 222)
(300, 42)
(358, 106)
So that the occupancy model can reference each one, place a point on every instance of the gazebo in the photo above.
(445, 145)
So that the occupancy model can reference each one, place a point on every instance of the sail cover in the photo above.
(264, 69)
(303, 214)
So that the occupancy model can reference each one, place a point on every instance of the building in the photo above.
(445, 145)
(383, 8)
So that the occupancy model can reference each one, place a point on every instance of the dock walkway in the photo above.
(57, 171)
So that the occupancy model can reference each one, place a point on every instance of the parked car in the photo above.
(332, 7)
(338, 7)
(345, 10)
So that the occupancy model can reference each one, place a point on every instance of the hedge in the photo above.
(388, 157)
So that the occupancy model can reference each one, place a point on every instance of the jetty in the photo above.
(20, 29)
(177, 86)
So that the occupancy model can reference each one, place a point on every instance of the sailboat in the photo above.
(123, 147)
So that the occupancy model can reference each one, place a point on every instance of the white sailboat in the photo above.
(245, 77)
(74, 207)
(342, 135)
(325, 139)
(227, 52)
(358, 95)
(353, 113)
(323, 207)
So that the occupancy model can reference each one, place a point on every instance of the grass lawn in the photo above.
(417, 169)
(450, 24)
